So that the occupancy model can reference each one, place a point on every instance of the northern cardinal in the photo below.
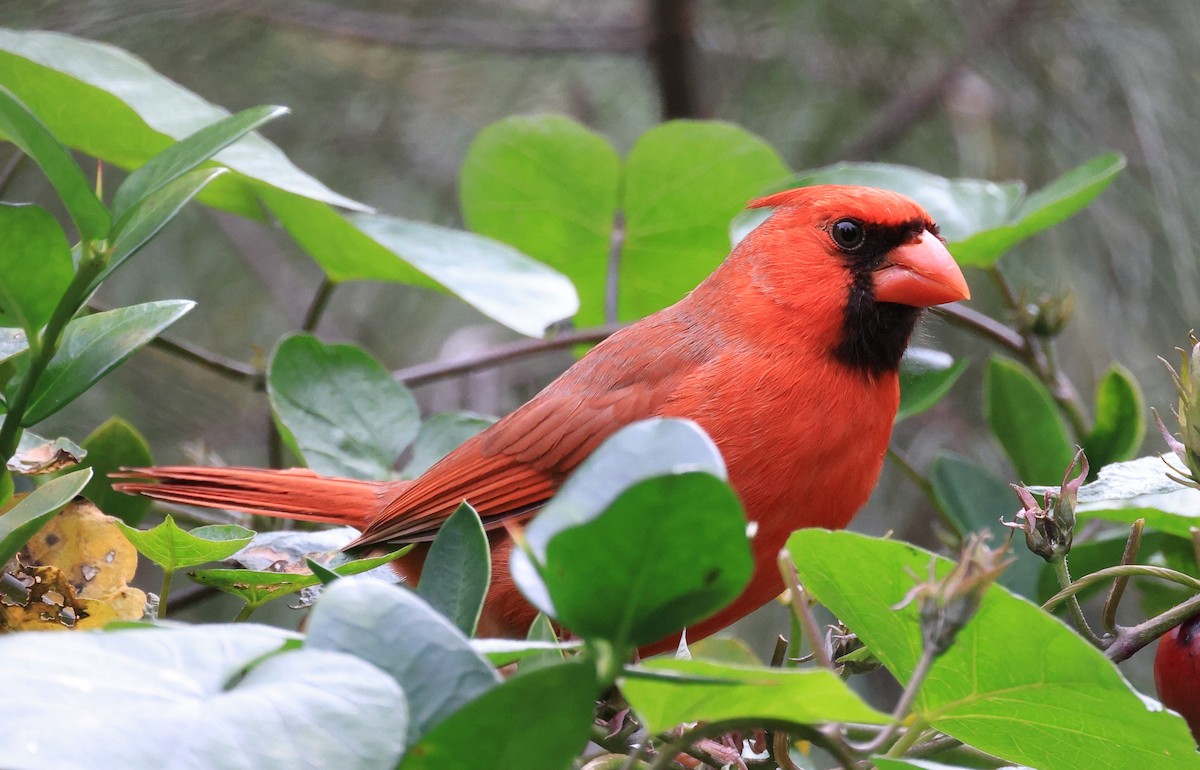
(787, 355)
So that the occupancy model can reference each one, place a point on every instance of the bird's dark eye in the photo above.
(848, 234)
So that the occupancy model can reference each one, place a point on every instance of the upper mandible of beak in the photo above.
(920, 274)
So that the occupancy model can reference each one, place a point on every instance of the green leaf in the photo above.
(1023, 416)
(394, 629)
(22, 127)
(151, 215)
(458, 569)
(438, 435)
(701, 691)
(1120, 419)
(339, 409)
(1054, 203)
(67, 81)
(172, 548)
(1017, 683)
(35, 269)
(114, 445)
(640, 571)
(187, 154)
(257, 587)
(24, 519)
(538, 720)
(684, 182)
(926, 376)
(495, 279)
(1130, 479)
(548, 186)
(217, 697)
(976, 501)
(93, 346)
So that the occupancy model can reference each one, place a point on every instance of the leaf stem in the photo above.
(245, 613)
(316, 309)
(164, 591)
(1064, 580)
(915, 730)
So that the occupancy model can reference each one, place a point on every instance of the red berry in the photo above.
(1177, 671)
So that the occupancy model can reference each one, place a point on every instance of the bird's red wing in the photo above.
(516, 465)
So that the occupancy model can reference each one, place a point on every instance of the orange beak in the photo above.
(920, 274)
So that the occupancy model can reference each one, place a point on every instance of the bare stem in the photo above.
(1124, 570)
(1064, 580)
(1108, 618)
(164, 592)
(1130, 640)
(804, 613)
(903, 706)
(502, 354)
(316, 309)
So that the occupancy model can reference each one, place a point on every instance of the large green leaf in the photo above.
(214, 697)
(666, 692)
(926, 376)
(22, 127)
(35, 266)
(1057, 201)
(397, 631)
(114, 445)
(1024, 418)
(548, 186)
(24, 519)
(458, 569)
(534, 721)
(339, 409)
(684, 182)
(93, 346)
(1120, 418)
(67, 81)
(187, 154)
(643, 450)
(496, 279)
(642, 569)
(1017, 682)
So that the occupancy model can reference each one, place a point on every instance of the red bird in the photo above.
(787, 356)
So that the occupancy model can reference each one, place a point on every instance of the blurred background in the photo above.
(386, 97)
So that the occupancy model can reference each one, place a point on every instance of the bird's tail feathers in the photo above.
(295, 493)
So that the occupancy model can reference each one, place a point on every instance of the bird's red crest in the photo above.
(882, 207)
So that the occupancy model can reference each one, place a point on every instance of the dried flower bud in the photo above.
(947, 604)
(848, 651)
(1047, 316)
(1049, 528)
(1187, 383)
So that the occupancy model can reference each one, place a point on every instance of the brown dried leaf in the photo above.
(46, 457)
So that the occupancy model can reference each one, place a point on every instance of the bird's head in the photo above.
(860, 261)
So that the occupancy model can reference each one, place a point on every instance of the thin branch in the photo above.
(1130, 640)
(967, 318)
(316, 309)
(501, 354)
(804, 613)
(481, 34)
(1125, 570)
(904, 705)
(909, 107)
(214, 362)
(1108, 618)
